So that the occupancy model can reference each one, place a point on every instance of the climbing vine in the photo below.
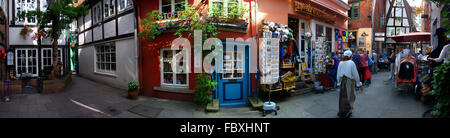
(440, 84)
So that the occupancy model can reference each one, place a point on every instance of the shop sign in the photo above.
(379, 38)
(10, 58)
(362, 41)
(304, 8)
(379, 34)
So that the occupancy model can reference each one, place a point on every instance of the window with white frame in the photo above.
(25, 6)
(173, 76)
(47, 57)
(109, 6)
(172, 6)
(97, 10)
(224, 5)
(124, 4)
(43, 5)
(26, 61)
(105, 58)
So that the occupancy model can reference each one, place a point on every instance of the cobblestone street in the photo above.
(88, 99)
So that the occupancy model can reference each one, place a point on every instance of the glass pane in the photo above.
(167, 55)
(166, 9)
(122, 4)
(405, 22)
(391, 22)
(319, 30)
(398, 12)
(167, 67)
(179, 6)
(390, 31)
(107, 66)
(181, 79)
(168, 78)
(398, 22)
(165, 2)
(113, 67)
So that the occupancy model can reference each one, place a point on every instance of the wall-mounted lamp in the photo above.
(364, 34)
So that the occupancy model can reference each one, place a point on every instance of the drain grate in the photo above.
(112, 111)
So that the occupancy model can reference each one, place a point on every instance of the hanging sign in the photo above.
(10, 58)
(307, 9)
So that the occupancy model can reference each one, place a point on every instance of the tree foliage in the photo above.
(58, 15)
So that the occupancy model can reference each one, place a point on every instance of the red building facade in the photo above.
(153, 78)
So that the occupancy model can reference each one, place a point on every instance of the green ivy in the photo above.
(444, 14)
(440, 84)
(151, 28)
(205, 86)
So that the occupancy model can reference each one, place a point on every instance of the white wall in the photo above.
(88, 36)
(16, 39)
(435, 15)
(81, 39)
(98, 33)
(126, 70)
(110, 29)
(87, 19)
(126, 24)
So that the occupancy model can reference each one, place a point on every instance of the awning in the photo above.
(412, 37)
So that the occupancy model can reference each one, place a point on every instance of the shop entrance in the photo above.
(234, 83)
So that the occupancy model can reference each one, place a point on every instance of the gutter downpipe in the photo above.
(373, 26)
(138, 44)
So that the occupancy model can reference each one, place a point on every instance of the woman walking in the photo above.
(347, 77)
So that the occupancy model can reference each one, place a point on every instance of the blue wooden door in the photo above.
(234, 83)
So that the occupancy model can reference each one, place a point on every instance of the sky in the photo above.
(416, 3)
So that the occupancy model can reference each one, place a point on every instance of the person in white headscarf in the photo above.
(347, 78)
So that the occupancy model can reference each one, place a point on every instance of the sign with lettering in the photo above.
(307, 9)
(10, 58)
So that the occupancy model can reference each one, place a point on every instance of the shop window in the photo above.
(226, 5)
(173, 76)
(354, 11)
(26, 62)
(43, 5)
(25, 6)
(319, 30)
(108, 7)
(47, 57)
(105, 58)
(329, 39)
(97, 10)
(390, 31)
(172, 6)
(124, 4)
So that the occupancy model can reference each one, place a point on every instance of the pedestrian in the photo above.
(348, 78)
(363, 67)
(420, 55)
(334, 66)
(392, 62)
(356, 58)
(367, 73)
(445, 55)
(375, 61)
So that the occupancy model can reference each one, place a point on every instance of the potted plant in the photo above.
(204, 88)
(133, 90)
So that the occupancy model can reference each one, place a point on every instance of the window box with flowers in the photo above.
(229, 15)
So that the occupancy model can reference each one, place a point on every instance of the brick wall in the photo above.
(380, 8)
(365, 10)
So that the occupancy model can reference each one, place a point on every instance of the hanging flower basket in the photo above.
(25, 30)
